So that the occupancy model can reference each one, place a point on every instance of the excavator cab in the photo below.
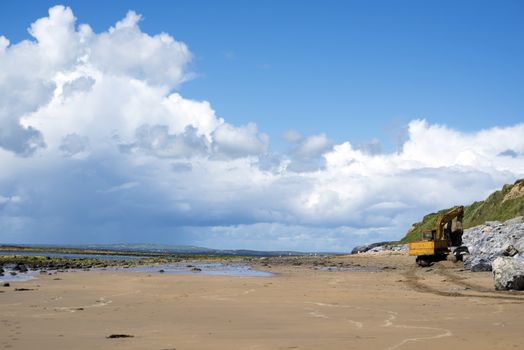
(435, 244)
(429, 235)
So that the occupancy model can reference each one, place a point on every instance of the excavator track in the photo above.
(415, 282)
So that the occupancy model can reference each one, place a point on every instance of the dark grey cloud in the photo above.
(82, 84)
(509, 153)
(19, 96)
(22, 141)
(73, 144)
(182, 166)
(156, 140)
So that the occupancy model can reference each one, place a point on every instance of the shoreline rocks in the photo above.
(477, 263)
(491, 240)
(380, 247)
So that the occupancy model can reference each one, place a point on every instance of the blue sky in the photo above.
(270, 125)
(352, 69)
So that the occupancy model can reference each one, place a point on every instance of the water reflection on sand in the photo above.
(208, 269)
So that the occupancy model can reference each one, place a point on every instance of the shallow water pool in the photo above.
(208, 269)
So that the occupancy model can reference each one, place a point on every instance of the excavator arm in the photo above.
(457, 212)
(436, 246)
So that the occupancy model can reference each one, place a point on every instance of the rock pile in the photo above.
(492, 240)
(367, 247)
(380, 247)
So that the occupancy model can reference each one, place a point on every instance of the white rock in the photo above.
(508, 273)
(491, 240)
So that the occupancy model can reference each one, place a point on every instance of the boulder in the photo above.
(511, 251)
(477, 263)
(20, 268)
(508, 273)
(492, 240)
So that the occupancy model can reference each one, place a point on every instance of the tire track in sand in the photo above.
(389, 322)
(414, 281)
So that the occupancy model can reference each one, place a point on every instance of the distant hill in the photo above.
(501, 205)
(186, 249)
(147, 248)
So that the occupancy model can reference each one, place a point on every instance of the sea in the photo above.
(185, 268)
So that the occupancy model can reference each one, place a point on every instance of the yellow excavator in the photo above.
(435, 244)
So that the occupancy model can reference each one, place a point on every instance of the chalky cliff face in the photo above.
(98, 145)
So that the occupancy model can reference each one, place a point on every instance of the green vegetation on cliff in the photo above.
(501, 205)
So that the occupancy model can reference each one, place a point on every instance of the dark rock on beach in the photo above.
(116, 336)
(477, 264)
(20, 268)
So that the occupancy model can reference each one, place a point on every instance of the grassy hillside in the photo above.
(501, 205)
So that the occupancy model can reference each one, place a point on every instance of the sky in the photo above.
(269, 125)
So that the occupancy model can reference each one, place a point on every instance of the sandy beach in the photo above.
(364, 302)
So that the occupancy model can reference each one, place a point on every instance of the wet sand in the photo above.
(364, 302)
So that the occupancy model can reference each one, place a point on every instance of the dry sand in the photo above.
(395, 306)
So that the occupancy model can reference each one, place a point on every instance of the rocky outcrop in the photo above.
(492, 240)
(366, 247)
(380, 247)
(508, 273)
(20, 268)
(389, 248)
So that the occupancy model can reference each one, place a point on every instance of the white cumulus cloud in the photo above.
(96, 145)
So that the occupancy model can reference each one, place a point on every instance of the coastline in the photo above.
(365, 301)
